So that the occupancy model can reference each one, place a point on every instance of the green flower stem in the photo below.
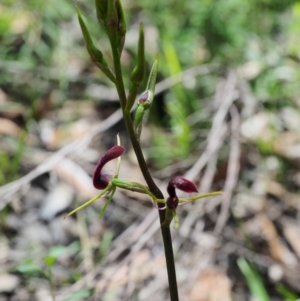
(166, 234)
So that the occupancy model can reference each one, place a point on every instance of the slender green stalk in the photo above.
(166, 234)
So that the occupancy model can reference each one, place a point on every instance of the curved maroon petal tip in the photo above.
(183, 184)
(115, 152)
(101, 181)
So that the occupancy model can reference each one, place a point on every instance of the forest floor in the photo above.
(227, 248)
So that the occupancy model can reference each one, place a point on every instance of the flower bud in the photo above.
(112, 16)
(145, 99)
(115, 25)
(101, 10)
(95, 54)
(121, 26)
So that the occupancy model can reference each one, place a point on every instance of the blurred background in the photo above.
(226, 115)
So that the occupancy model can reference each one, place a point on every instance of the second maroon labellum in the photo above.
(181, 184)
(101, 181)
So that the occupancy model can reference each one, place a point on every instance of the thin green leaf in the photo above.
(286, 293)
(254, 280)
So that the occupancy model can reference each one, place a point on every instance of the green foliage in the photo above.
(286, 293)
(254, 280)
(31, 269)
(54, 253)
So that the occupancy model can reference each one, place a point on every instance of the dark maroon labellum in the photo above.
(101, 181)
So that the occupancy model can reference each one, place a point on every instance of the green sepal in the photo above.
(95, 54)
(137, 75)
(139, 114)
